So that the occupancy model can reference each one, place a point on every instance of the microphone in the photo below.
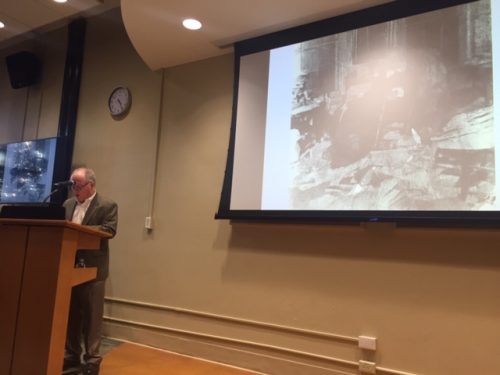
(58, 186)
(61, 184)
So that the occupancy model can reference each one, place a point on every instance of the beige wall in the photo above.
(284, 299)
(33, 112)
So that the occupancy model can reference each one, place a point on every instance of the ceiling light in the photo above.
(2, 25)
(191, 24)
(60, 1)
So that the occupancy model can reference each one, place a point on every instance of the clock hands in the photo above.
(119, 101)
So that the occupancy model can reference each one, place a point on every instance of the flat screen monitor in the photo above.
(27, 170)
(385, 114)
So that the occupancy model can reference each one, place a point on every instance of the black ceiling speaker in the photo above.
(24, 69)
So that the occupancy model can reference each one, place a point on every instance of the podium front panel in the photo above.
(12, 253)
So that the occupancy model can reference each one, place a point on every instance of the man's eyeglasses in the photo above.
(77, 187)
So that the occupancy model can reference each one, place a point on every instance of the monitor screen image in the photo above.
(26, 170)
(381, 119)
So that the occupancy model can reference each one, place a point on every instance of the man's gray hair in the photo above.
(89, 174)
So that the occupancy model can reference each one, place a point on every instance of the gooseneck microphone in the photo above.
(61, 184)
(58, 186)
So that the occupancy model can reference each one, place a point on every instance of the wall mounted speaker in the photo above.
(24, 69)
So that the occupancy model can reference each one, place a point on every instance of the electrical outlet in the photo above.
(367, 342)
(367, 367)
(148, 222)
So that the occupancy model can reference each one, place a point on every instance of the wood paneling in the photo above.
(12, 251)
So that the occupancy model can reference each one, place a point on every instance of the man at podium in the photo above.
(87, 207)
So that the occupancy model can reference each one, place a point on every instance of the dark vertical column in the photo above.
(69, 99)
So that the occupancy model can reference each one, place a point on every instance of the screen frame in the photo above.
(351, 21)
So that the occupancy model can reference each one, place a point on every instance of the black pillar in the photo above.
(69, 100)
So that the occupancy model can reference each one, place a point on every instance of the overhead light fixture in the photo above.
(2, 25)
(191, 24)
(60, 1)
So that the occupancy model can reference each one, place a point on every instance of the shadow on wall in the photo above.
(470, 248)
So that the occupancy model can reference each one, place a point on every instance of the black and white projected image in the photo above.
(397, 116)
(27, 174)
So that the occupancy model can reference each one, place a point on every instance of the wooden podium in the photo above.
(37, 272)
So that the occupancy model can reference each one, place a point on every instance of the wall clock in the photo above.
(119, 101)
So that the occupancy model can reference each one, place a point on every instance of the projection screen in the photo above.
(364, 118)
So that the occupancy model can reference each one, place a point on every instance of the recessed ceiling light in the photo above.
(191, 24)
(2, 25)
(60, 1)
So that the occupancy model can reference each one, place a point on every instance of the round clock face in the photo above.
(119, 101)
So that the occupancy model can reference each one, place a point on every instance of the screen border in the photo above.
(346, 22)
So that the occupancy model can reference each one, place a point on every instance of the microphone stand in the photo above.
(51, 194)
(59, 186)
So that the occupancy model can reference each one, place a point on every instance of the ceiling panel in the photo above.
(21, 17)
(154, 26)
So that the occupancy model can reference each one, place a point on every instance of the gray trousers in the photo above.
(85, 323)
